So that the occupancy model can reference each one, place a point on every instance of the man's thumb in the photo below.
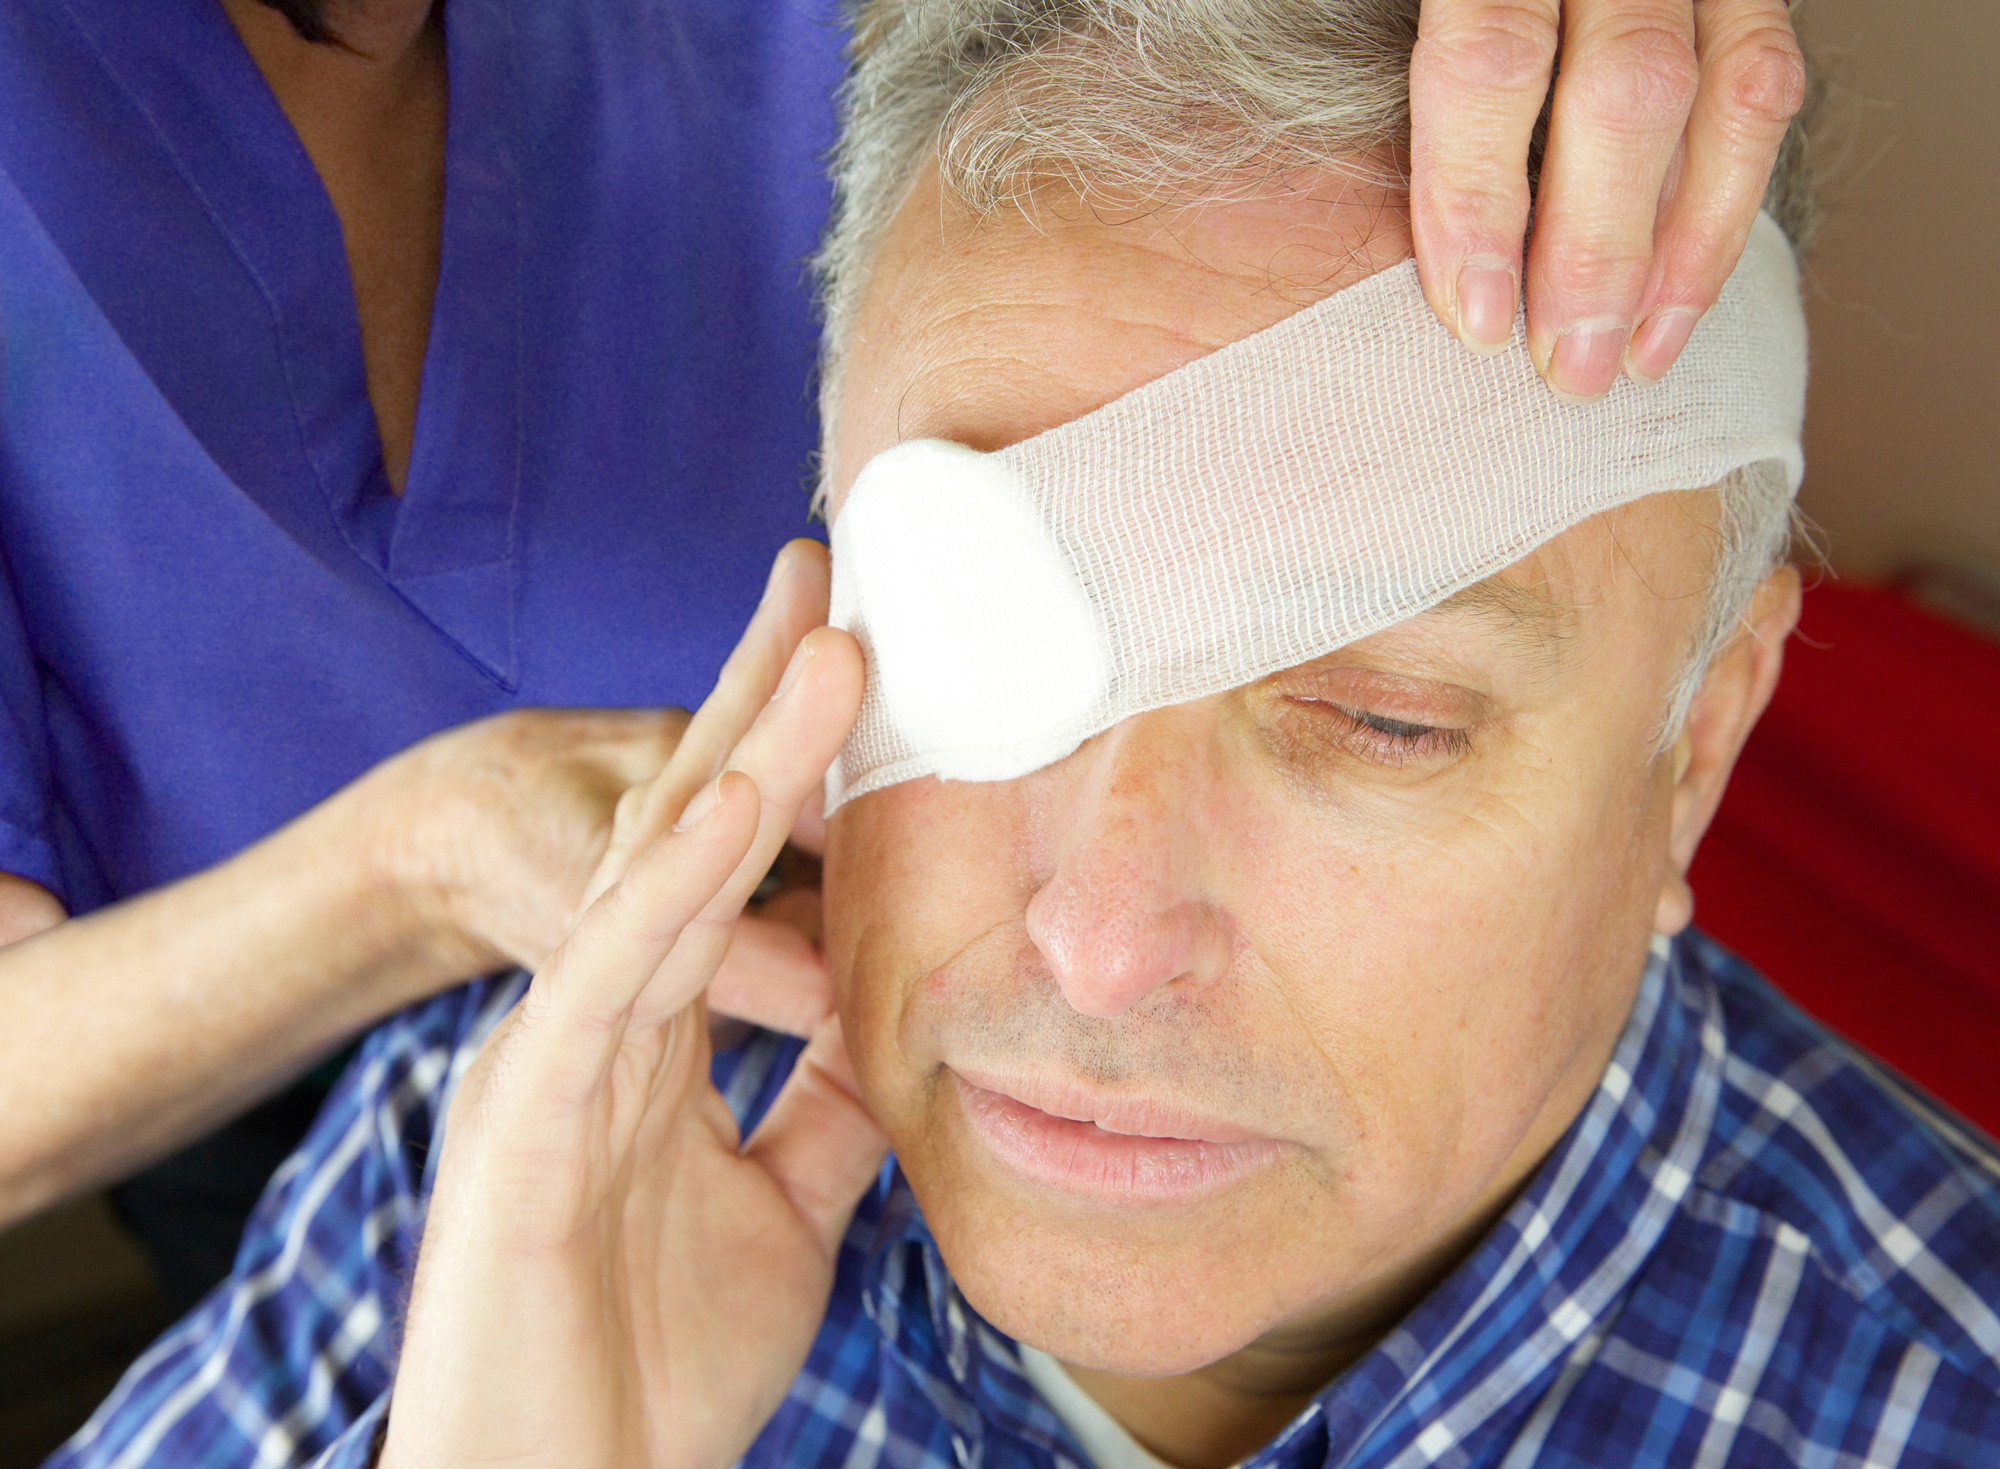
(818, 1141)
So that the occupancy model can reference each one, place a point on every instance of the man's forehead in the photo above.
(1514, 615)
(986, 331)
(1532, 625)
(1651, 559)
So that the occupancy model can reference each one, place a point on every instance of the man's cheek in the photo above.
(900, 901)
(861, 953)
(1403, 961)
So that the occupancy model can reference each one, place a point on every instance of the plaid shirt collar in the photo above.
(1489, 1338)
(1752, 1247)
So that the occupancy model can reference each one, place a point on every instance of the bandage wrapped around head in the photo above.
(1258, 508)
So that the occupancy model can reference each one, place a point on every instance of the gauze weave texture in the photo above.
(1258, 508)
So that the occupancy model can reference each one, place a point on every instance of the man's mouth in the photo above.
(1123, 1150)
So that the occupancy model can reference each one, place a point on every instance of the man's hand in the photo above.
(606, 1277)
(1666, 121)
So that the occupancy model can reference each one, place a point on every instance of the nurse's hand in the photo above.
(606, 1276)
(1665, 123)
(488, 835)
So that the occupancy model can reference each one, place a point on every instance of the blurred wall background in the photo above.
(1903, 421)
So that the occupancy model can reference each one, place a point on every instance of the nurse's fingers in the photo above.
(1752, 83)
(1624, 90)
(794, 603)
(1478, 78)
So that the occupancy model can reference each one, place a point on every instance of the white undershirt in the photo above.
(1103, 1437)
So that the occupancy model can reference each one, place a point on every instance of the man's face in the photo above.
(1237, 1016)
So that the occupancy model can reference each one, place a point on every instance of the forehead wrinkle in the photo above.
(958, 335)
(1324, 268)
(1129, 300)
(1359, 204)
(958, 381)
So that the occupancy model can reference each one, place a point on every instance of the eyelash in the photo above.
(1392, 741)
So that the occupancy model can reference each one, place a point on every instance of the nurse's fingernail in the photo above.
(1587, 357)
(1485, 304)
(705, 800)
(792, 671)
(1658, 342)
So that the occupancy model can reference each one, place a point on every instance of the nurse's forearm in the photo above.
(138, 1027)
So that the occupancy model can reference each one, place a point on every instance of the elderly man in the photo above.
(1312, 1067)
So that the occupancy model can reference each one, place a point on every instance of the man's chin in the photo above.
(1147, 1292)
(1108, 1315)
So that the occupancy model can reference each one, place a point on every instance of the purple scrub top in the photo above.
(213, 613)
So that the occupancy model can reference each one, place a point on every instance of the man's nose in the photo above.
(1123, 912)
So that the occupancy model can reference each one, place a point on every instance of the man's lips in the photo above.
(1119, 1149)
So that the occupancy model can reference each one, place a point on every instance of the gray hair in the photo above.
(1146, 100)
(1756, 532)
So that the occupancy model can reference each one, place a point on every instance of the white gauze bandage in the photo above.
(1258, 508)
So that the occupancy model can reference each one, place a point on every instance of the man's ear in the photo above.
(1733, 695)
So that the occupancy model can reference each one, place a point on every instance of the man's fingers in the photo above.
(1624, 89)
(809, 831)
(657, 935)
(789, 747)
(786, 754)
(577, 1010)
(773, 977)
(1752, 82)
(818, 1140)
(794, 603)
(1478, 77)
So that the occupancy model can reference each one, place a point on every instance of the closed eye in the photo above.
(1380, 738)
(1383, 724)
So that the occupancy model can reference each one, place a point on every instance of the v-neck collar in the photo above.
(446, 546)
(452, 542)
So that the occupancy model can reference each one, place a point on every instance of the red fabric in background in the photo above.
(1856, 857)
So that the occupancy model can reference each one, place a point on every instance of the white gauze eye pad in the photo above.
(1258, 508)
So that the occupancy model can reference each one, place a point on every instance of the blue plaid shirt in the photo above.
(1752, 1248)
